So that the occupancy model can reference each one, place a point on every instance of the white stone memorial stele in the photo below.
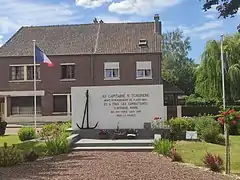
(131, 106)
(191, 135)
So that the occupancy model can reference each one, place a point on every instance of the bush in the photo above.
(10, 155)
(31, 156)
(175, 156)
(194, 100)
(214, 162)
(58, 144)
(26, 133)
(234, 129)
(181, 124)
(220, 139)
(210, 133)
(162, 146)
(204, 122)
(49, 130)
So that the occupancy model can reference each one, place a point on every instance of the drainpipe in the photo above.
(157, 33)
(93, 53)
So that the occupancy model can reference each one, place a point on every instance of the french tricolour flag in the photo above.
(40, 57)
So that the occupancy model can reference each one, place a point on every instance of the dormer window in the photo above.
(142, 42)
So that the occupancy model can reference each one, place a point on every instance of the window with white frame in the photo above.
(24, 72)
(62, 104)
(68, 71)
(17, 73)
(111, 70)
(30, 72)
(143, 70)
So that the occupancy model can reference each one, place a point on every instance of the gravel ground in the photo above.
(107, 166)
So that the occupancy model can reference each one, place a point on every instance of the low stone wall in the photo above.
(40, 119)
(142, 133)
(199, 110)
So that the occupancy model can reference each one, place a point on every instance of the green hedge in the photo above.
(207, 127)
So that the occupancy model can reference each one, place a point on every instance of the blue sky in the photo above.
(184, 14)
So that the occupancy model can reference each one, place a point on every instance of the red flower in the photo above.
(234, 122)
(156, 118)
(225, 113)
(221, 119)
(232, 111)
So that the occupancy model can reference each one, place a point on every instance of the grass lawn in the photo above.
(9, 139)
(40, 147)
(193, 152)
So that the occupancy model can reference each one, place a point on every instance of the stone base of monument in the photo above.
(88, 140)
(141, 133)
(113, 145)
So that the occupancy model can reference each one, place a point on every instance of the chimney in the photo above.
(157, 24)
(95, 21)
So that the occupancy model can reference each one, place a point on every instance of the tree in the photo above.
(177, 68)
(225, 8)
(208, 75)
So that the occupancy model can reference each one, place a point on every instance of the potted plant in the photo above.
(103, 134)
(3, 126)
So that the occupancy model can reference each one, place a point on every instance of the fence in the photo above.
(180, 111)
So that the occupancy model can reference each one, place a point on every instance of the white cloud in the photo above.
(202, 28)
(1, 40)
(210, 16)
(14, 14)
(110, 19)
(116, 19)
(213, 9)
(141, 7)
(210, 34)
(211, 13)
(91, 3)
(204, 31)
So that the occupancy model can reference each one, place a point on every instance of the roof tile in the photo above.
(111, 38)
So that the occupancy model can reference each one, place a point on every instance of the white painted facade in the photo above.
(130, 106)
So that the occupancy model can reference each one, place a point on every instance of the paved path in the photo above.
(108, 166)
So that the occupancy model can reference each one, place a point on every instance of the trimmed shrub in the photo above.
(26, 133)
(220, 139)
(208, 129)
(210, 134)
(162, 146)
(10, 156)
(213, 162)
(194, 100)
(202, 122)
(181, 124)
(234, 129)
(48, 130)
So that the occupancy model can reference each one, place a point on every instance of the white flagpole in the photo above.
(227, 150)
(34, 86)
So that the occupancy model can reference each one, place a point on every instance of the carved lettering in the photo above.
(125, 104)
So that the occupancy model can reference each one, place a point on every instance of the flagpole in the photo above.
(227, 150)
(34, 86)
